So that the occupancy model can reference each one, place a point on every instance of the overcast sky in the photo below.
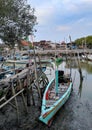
(57, 19)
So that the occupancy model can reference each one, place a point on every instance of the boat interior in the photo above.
(63, 84)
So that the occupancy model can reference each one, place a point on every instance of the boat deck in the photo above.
(52, 94)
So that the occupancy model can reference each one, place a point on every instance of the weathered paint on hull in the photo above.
(51, 112)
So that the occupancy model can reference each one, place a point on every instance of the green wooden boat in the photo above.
(56, 94)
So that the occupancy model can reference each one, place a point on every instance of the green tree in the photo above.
(89, 41)
(17, 21)
(84, 41)
(31, 46)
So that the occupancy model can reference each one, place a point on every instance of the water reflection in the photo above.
(82, 85)
(74, 65)
(87, 65)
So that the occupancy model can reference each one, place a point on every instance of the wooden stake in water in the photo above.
(35, 65)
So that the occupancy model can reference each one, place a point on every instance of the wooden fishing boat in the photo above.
(8, 69)
(25, 61)
(18, 61)
(89, 56)
(84, 57)
(56, 94)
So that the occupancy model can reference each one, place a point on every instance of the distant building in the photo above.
(63, 45)
(24, 45)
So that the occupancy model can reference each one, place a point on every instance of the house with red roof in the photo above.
(25, 44)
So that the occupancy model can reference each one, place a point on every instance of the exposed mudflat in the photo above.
(74, 115)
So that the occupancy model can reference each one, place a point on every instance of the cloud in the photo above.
(44, 14)
(63, 28)
(56, 17)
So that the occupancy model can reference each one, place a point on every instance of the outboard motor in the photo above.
(60, 76)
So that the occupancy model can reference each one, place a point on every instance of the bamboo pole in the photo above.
(27, 89)
(11, 98)
(31, 91)
(3, 98)
(30, 87)
(80, 71)
(39, 62)
(11, 104)
(23, 98)
(35, 66)
(16, 103)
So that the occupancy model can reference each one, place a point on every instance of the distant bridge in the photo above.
(60, 51)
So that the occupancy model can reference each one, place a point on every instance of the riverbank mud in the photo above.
(74, 115)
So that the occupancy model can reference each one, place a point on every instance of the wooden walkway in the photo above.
(12, 87)
(62, 51)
